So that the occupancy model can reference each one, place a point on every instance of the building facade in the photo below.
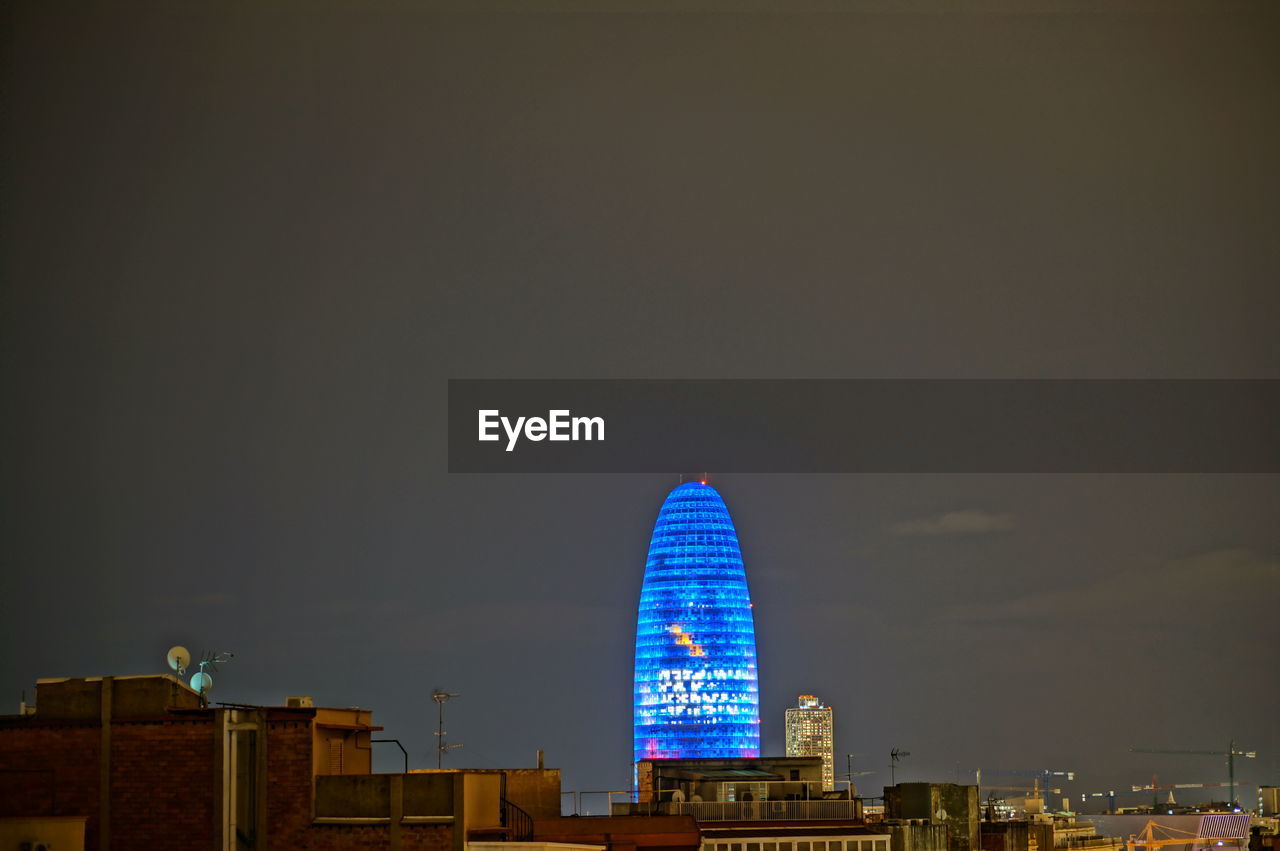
(137, 762)
(810, 732)
(696, 693)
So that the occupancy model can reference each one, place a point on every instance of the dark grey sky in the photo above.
(245, 245)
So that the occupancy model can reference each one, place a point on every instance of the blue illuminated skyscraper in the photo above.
(695, 684)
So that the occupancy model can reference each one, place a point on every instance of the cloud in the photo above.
(1202, 589)
(968, 522)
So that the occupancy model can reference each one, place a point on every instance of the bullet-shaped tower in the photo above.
(695, 677)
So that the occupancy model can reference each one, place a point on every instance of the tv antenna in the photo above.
(441, 697)
(895, 756)
(201, 681)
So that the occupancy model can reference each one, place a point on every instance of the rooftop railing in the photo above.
(764, 810)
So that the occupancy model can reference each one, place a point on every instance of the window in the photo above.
(335, 756)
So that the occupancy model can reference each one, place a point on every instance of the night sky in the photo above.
(245, 245)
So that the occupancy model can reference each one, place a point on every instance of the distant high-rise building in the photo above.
(695, 675)
(810, 733)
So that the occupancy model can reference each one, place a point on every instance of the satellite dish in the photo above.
(677, 797)
(179, 659)
(201, 682)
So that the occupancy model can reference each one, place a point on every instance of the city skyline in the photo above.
(245, 250)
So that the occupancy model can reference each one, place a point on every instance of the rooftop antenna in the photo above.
(201, 681)
(441, 697)
(894, 756)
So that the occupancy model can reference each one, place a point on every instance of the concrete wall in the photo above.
(342, 751)
(1006, 836)
(914, 837)
(341, 746)
(534, 790)
(426, 795)
(942, 803)
(353, 796)
(482, 797)
(80, 699)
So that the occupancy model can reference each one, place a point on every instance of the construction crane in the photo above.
(1110, 796)
(1230, 753)
(1155, 788)
(1036, 792)
(1159, 836)
(1042, 773)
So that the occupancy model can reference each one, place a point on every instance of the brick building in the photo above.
(144, 765)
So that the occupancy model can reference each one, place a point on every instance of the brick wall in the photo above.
(413, 837)
(163, 785)
(49, 770)
(289, 797)
(289, 784)
(163, 775)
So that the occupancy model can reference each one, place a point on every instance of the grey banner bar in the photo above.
(872, 426)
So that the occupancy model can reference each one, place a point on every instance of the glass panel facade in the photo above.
(695, 673)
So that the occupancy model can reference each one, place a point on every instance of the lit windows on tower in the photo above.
(810, 733)
(695, 663)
